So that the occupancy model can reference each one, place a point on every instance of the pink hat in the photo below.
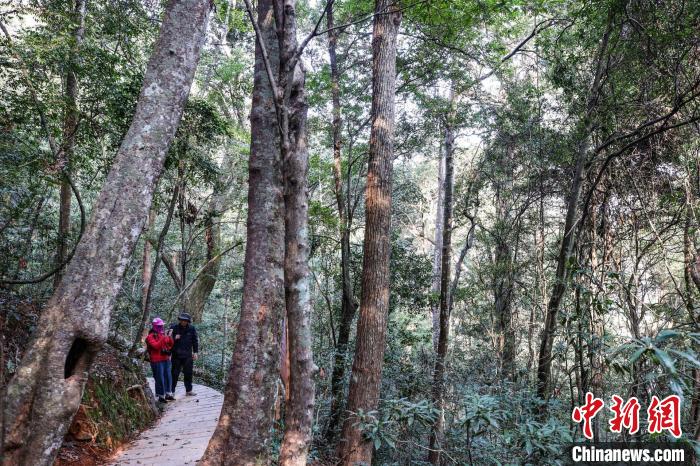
(158, 324)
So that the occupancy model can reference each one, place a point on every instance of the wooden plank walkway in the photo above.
(181, 434)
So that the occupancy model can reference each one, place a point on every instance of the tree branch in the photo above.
(300, 49)
(201, 271)
(266, 61)
(60, 266)
(621, 151)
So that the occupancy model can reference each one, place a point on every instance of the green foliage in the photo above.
(664, 352)
(549, 440)
(500, 428)
(396, 416)
(116, 413)
(519, 124)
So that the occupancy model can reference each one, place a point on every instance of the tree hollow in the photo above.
(77, 359)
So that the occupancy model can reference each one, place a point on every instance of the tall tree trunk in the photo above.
(197, 293)
(70, 127)
(147, 266)
(45, 394)
(244, 424)
(503, 298)
(181, 207)
(566, 248)
(540, 280)
(366, 379)
(692, 286)
(299, 413)
(278, 147)
(150, 272)
(436, 434)
(437, 250)
(503, 267)
(348, 305)
(590, 326)
(596, 346)
(560, 284)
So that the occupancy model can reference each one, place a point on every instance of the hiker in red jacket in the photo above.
(160, 346)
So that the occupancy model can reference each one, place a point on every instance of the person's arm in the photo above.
(176, 332)
(195, 343)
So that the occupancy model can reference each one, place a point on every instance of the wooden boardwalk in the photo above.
(181, 434)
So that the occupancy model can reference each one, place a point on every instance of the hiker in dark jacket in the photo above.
(184, 351)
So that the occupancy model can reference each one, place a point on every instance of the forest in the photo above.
(407, 232)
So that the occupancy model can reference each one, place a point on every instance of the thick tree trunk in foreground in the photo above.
(243, 430)
(45, 394)
(295, 165)
(299, 412)
(436, 433)
(70, 127)
(366, 379)
(348, 305)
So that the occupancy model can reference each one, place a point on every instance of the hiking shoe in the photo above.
(190, 393)
(161, 399)
(169, 397)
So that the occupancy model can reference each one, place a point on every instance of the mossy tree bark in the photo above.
(46, 391)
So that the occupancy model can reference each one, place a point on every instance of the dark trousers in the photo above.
(183, 364)
(161, 374)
